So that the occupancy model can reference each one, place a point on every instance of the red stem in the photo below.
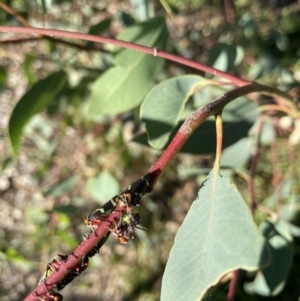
(27, 24)
(76, 257)
(32, 39)
(229, 11)
(198, 117)
(276, 173)
(181, 137)
(153, 51)
(233, 285)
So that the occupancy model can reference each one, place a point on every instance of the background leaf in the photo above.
(218, 235)
(233, 132)
(61, 187)
(237, 154)
(238, 118)
(223, 56)
(103, 187)
(124, 86)
(32, 102)
(163, 107)
(163, 110)
(270, 280)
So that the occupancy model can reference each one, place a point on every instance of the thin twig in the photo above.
(63, 42)
(153, 51)
(234, 80)
(27, 24)
(277, 176)
(268, 211)
(219, 131)
(229, 11)
(233, 285)
(76, 257)
(273, 107)
(15, 14)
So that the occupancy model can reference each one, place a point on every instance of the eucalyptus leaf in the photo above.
(163, 107)
(103, 187)
(237, 154)
(217, 236)
(61, 187)
(123, 86)
(223, 56)
(32, 102)
(270, 280)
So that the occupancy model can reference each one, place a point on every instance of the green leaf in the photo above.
(270, 280)
(281, 39)
(164, 106)
(206, 134)
(268, 132)
(124, 18)
(218, 236)
(237, 154)
(28, 66)
(103, 187)
(171, 96)
(61, 187)
(36, 215)
(240, 109)
(223, 56)
(13, 256)
(285, 189)
(263, 66)
(32, 102)
(69, 209)
(3, 78)
(123, 87)
(100, 27)
(283, 228)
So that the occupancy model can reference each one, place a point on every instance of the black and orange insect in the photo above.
(55, 264)
(131, 196)
(52, 266)
(50, 296)
(97, 247)
(124, 230)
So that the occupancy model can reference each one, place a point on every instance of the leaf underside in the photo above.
(217, 236)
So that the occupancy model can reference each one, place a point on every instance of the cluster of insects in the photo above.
(122, 230)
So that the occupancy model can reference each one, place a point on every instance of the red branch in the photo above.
(198, 117)
(76, 257)
(181, 137)
(233, 285)
(153, 51)
(67, 43)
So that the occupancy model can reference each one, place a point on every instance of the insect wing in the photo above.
(52, 266)
(73, 274)
(99, 245)
(106, 209)
(138, 189)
